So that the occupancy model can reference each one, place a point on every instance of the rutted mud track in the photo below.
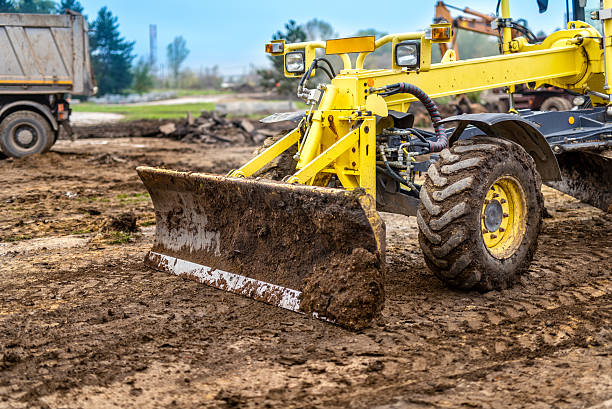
(86, 325)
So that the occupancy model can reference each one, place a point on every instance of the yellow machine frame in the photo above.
(339, 138)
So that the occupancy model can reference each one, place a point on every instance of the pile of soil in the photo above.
(214, 128)
(142, 127)
(209, 128)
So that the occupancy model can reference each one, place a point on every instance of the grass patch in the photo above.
(134, 112)
(193, 92)
(84, 231)
(118, 237)
(133, 197)
(13, 239)
(147, 223)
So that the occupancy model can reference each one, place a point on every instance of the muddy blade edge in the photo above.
(587, 176)
(314, 250)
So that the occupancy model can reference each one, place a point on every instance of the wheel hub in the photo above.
(493, 215)
(25, 136)
(503, 217)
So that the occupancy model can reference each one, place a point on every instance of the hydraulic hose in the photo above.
(441, 141)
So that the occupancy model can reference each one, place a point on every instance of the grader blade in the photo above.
(587, 176)
(313, 250)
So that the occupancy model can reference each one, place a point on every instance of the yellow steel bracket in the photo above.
(325, 158)
(351, 175)
(265, 157)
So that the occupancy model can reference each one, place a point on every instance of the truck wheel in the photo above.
(480, 214)
(25, 133)
(556, 104)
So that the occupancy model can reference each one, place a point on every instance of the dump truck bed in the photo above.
(42, 53)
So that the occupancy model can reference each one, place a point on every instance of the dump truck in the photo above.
(45, 59)
(312, 240)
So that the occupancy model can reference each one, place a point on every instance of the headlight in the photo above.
(407, 54)
(294, 62)
(579, 100)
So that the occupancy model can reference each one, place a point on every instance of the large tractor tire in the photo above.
(480, 214)
(556, 104)
(25, 133)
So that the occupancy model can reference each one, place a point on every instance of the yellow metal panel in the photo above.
(350, 45)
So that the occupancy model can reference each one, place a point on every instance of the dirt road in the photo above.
(85, 325)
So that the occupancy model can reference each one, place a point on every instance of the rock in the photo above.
(125, 222)
(247, 125)
(168, 128)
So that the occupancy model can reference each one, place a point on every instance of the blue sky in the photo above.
(232, 34)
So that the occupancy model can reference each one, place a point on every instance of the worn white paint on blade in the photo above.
(288, 298)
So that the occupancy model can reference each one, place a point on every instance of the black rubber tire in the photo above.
(38, 128)
(556, 104)
(280, 167)
(449, 216)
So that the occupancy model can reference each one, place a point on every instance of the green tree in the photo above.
(143, 79)
(111, 54)
(382, 57)
(274, 78)
(319, 30)
(73, 5)
(177, 53)
(36, 6)
(7, 6)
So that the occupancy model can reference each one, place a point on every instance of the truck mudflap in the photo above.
(587, 176)
(312, 250)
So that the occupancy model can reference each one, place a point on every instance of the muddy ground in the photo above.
(85, 325)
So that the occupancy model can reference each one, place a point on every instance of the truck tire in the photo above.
(480, 214)
(556, 104)
(25, 133)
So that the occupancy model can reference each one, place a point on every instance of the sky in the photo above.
(232, 34)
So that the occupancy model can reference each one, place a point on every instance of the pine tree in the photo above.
(73, 5)
(7, 6)
(36, 6)
(112, 55)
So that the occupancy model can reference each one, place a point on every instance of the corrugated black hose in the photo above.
(441, 141)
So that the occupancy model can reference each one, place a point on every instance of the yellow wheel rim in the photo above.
(503, 216)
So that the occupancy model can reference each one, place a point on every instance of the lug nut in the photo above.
(501, 229)
(493, 236)
(495, 195)
(506, 215)
(502, 201)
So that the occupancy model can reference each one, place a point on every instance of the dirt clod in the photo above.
(347, 290)
(124, 222)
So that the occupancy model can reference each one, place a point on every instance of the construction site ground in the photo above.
(85, 325)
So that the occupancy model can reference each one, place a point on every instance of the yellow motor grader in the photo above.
(314, 242)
